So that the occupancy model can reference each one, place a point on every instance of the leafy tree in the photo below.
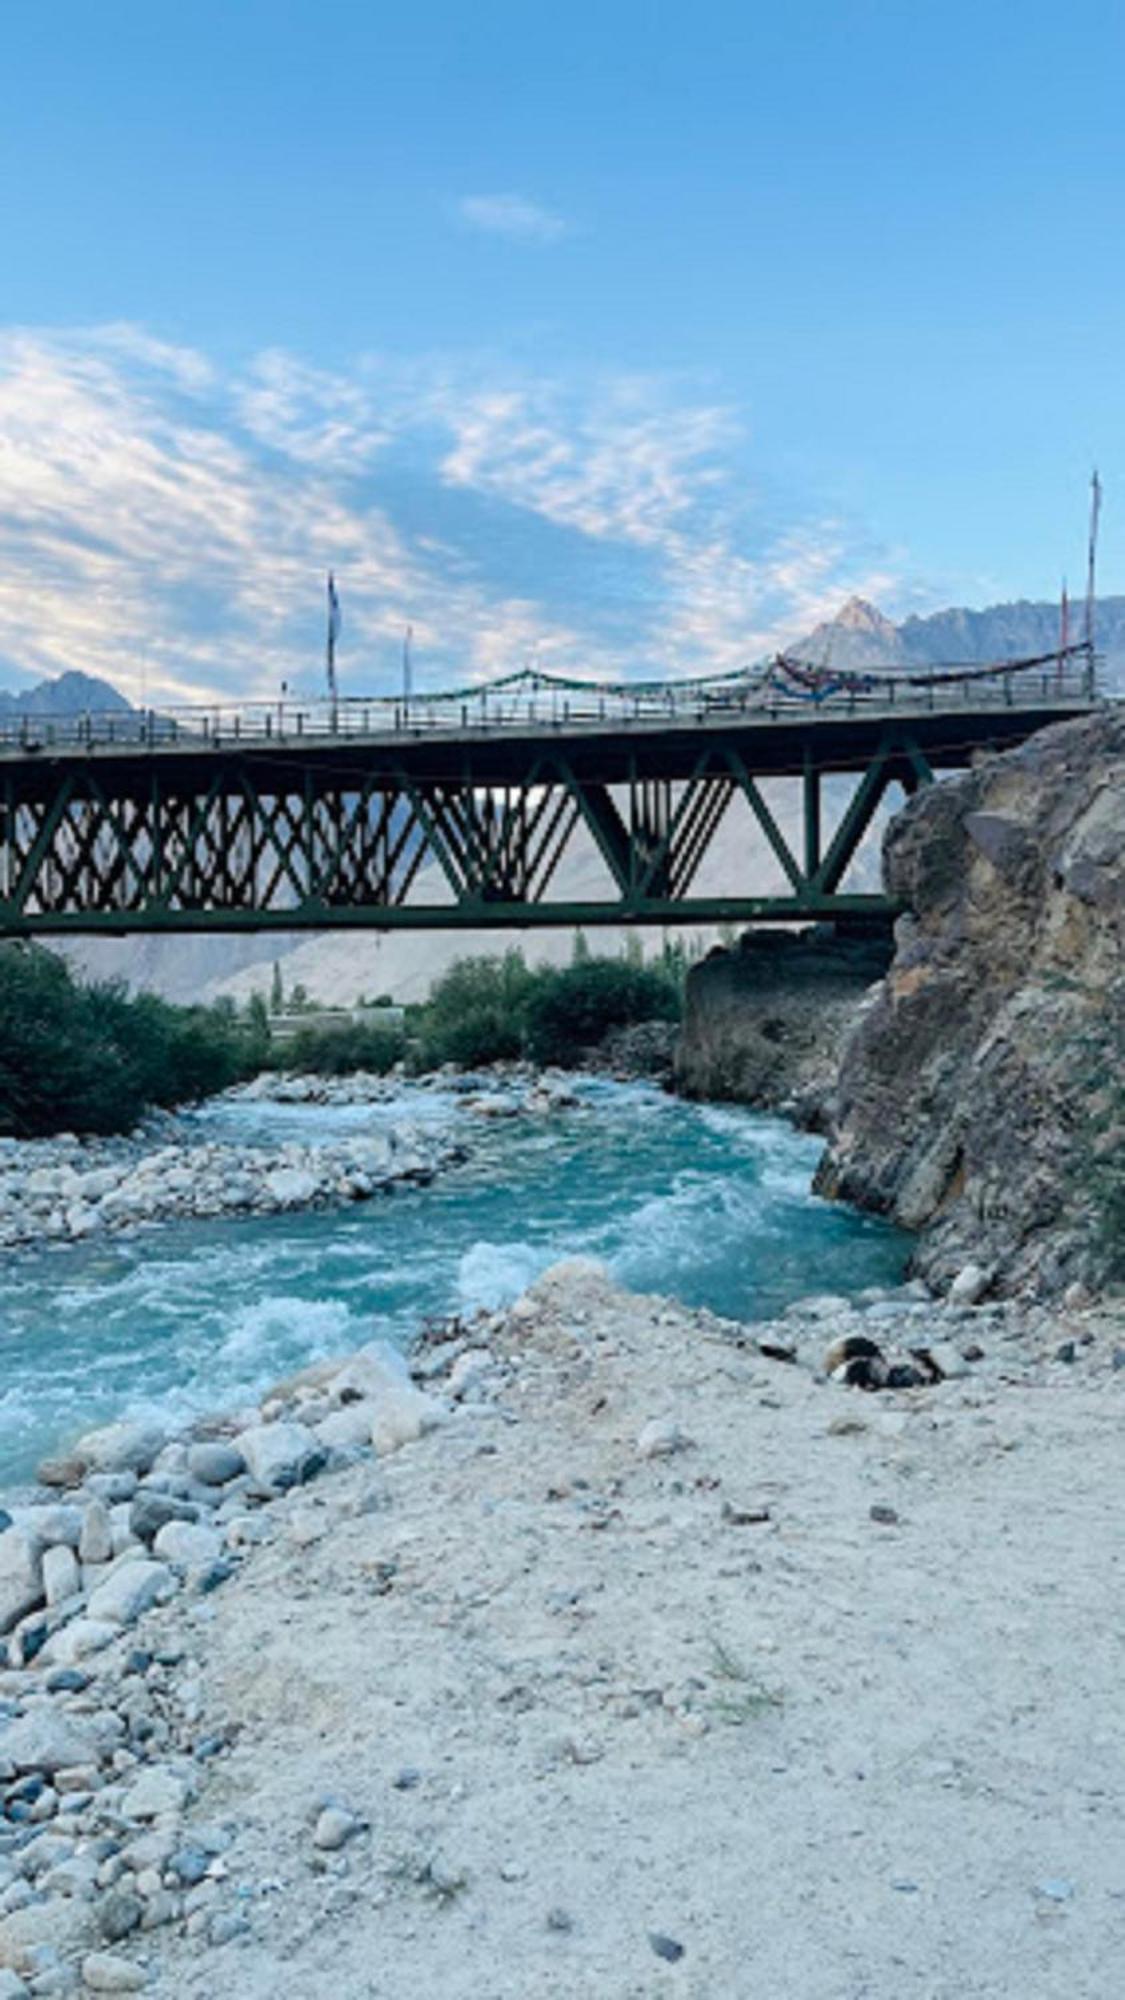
(89, 1058)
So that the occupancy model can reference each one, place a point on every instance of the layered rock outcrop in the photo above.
(981, 1096)
(764, 1020)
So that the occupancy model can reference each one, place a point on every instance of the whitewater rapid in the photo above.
(707, 1204)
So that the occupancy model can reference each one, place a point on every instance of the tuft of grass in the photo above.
(744, 1697)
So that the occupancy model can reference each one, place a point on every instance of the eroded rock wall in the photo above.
(979, 1094)
(764, 1020)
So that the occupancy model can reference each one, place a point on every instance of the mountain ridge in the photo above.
(72, 693)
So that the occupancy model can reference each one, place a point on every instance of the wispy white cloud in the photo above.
(610, 469)
(313, 416)
(513, 216)
(167, 525)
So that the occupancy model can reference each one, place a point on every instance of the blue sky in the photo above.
(617, 337)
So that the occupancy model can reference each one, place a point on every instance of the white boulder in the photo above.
(188, 1543)
(291, 1187)
(341, 1429)
(120, 1447)
(46, 1740)
(280, 1455)
(134, 1586)
(95, 1542)
(78, 1639)
(400, 1416)
(21, 1577)
(62, 1577)
(969, 1286)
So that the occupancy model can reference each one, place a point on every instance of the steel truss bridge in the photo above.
(455, 811)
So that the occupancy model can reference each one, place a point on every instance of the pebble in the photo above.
(152, 1511)
(103, 1972)
(62, 1577)
(969, 1286)
(67, 1680)
(335, 1826)
(445, 1876)
(281, 1455)
(661, 1438)
(745, 1513)
(157, 1791)
(189, 1865)
(885, 1517)
(120, 1913)
(226, 1926)
(665, 1947)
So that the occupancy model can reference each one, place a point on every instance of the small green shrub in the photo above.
(341, 1050)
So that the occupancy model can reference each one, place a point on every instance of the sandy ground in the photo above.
(613, 1737)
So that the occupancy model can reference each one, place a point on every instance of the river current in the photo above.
(708, 1204)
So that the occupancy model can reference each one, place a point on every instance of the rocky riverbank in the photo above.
(67, 1190)
(979, 1100)
(499, 1679)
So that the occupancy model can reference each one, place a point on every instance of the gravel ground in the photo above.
(666, 1668)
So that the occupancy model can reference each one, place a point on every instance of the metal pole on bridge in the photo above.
(1091, 565)
(334, 623)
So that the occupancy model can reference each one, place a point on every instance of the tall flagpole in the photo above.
(1092, 559)
(333, 624)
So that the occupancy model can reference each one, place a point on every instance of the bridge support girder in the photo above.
(238, 841)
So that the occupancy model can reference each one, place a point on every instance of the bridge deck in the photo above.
(775, 736)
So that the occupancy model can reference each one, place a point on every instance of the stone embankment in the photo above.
(765, 1020)
(980, 1099)
(507, 1710)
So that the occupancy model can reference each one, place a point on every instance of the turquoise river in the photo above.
(708, 1204)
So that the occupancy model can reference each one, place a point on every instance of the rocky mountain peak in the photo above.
(858, 615)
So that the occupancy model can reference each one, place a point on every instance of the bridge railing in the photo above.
(501, 706)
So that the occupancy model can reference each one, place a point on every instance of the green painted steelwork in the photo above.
(465, 828)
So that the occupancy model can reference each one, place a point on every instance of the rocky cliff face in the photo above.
(981, 1097)
(764, 1021)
